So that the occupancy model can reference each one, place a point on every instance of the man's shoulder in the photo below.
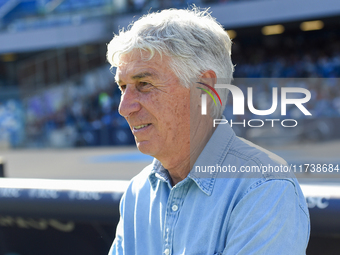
(252, 156)
(255, 152)
(273, 171)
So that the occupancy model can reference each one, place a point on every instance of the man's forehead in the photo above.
(135, 67)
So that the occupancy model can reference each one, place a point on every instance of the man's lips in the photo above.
(140, 127)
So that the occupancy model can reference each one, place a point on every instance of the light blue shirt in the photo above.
(215, 213)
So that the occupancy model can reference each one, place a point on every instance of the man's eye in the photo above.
(122, 87)
(144, 86)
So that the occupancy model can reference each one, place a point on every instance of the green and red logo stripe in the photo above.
(212, 89)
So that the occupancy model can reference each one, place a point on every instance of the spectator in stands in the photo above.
(170, 207)
(310, 59)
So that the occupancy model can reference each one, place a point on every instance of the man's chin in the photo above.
(146, 147)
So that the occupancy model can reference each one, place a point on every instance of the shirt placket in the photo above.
(173, 208)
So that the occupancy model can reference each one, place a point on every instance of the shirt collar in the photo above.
(213, 153)
(158, 173)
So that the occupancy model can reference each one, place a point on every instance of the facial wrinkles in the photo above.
(177, 109)
(152, 96)
(164, 96)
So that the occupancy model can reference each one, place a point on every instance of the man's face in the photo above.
(154, 104)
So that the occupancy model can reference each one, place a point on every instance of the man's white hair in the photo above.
(193, 39)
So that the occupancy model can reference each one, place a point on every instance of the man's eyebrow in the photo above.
(142, 75)
(139, 76)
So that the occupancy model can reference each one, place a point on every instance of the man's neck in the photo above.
(180, 165)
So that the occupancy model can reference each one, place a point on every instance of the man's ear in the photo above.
(209, 77)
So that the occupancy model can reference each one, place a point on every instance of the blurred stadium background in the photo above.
(59, 119)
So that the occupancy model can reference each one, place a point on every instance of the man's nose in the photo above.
(129, 102)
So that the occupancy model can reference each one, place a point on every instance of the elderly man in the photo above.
(164, 63)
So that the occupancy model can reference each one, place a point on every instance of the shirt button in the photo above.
(167, 251)
(174, 208)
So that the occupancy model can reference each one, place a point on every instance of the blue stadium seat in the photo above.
(20, 9)
(24, 8)
(2, 2)
(78, 5)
